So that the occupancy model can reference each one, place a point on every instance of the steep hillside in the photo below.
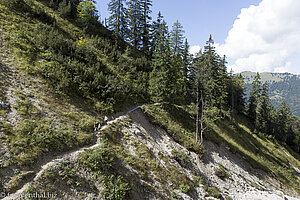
(136, 159)
(59, 75)
(282, 87)
(57, 78)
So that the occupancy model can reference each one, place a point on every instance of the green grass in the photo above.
(177, 121)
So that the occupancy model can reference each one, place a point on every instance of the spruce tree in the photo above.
(186, 71)
(64, 8)
(117, 19)
(145, 25)
(263, 110)
(155, 32)
(160, 85)
(283, 122)
(177, 39)
(215, 76)
(87, 11)
(210, 83)
(254, 97)
(236, 93)
(134, 16)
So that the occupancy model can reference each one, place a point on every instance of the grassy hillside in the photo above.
(57, 77)
(74, 57)
(282, 87)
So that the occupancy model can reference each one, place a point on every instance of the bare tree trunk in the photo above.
(197, 117)
(202, 117)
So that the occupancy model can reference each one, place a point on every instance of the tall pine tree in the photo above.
(263, 110)
(134, 16)
(145, 25)
(117, 19)
(254, 97)
(283, 122)
(160, 85)
(177, 39)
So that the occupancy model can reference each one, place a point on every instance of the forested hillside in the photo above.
(282, 87)
(62, 70)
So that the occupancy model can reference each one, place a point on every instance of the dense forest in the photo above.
(139, 60)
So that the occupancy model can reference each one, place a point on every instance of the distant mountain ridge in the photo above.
(282, 87)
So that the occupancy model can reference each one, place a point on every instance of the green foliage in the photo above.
(64, 8)
(99, 160)
(282, 87)
(87, 10)
(183, 159)
(184, 188)
(212, 192)
(180, 126)
(117, 19)
(116, 188)
(221, 172)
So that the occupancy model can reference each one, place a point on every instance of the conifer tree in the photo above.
(236, 93)
(216, 77)
(254, 97)
(263, 110)
(134, 16)
(87, 10)
(186, 70)
(177, 39)
(117, 19)
(145, 25)
(160, 85)
(64, 8)
(155, 32)
(210, 86)
(283, 122)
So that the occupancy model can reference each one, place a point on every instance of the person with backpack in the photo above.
(105, 120)
(97, 126)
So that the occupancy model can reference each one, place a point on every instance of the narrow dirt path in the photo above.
(39, 171)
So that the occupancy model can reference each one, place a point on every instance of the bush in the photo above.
(221, 172)
(184, 188)
(116, 188)
(212, 192)
(183, 159)
(99, 160)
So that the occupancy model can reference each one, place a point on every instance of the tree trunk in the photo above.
(197, 117)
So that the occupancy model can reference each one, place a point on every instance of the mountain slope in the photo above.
(141, 161)
(282, 87)
(58, 77)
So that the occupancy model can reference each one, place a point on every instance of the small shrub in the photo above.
(184, 188)
(183, 159)
(86, 125)
(99, 160)
(221, 172)
(212, 192)
(116, 188)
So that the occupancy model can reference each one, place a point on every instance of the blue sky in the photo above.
(198, 17)
(233, 25)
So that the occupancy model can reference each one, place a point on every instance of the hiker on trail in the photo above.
(97, 126)
(105, 120)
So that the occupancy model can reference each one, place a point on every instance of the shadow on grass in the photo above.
(181, 116)
(244, 141)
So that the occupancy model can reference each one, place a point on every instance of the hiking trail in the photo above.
(39, 170)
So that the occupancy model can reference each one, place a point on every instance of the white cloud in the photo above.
(195, 49)
(264, 37)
